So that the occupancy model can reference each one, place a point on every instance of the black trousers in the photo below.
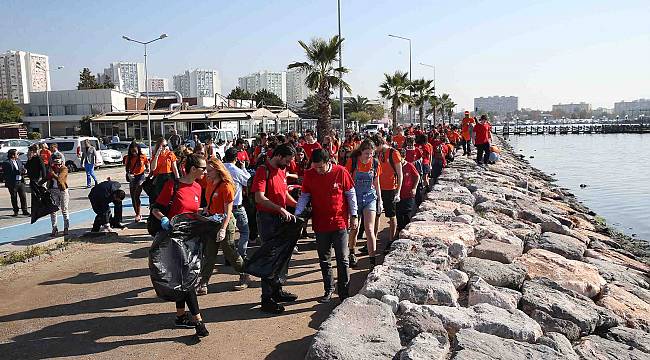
(18, 190)
(191, 301)
(467, 146)
(338, 240)
(436, 170)
(482, 153)
(104, 217)
(404, 210)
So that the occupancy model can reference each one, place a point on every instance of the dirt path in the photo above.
(95, 300)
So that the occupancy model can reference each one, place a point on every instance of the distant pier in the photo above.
(571, 129)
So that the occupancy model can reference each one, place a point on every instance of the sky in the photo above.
(544, 52)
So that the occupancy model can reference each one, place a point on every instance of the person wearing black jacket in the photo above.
(14, 172)
(35, 167)
(101, 196)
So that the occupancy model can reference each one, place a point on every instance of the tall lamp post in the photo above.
(410, 69)
(342, 113)
(146, 80)
(434, 77)
(47, 96)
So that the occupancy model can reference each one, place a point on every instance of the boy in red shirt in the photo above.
(482, 138)
(331, 191)
(406, 205)
(427, 152)
(310, 143)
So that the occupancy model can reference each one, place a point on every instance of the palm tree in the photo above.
(434, 102)
(394, 88)
(446, 106)
(422, 91)
(322, 56)
(358, 104)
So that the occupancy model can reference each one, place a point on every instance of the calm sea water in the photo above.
(615, 168)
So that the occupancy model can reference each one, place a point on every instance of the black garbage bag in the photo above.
(270, 258)
(175, 255)
(42, 202)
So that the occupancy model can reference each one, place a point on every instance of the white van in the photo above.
(373, 128)
(72, 146)
(215, 134)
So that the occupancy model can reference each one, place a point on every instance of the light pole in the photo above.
(146, 80)
(47, 95)
(410, 70)
(434, 77)
(342, 113)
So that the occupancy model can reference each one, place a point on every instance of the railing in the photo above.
(570, 129)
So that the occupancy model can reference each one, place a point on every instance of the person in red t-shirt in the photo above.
(412, 153)
(310, 143)
(406, 205)
(482, 136)
(399, 138)
(187, 199)
(261, 148)
(427, 152)
(242, 155)
(330, 189)
(271, 198)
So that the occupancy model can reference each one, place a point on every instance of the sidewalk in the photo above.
(95, 300)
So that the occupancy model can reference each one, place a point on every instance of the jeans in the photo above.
(339, 241)
(482, 153)
(267, 225)
(16, 191)
(61, 199)
(90, 173)
(467, 146)
(228, 247)
(242, 225)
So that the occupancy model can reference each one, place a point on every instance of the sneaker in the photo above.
(26, 213)
(326, 298)
(54, 232)
(202, 289)
(353, 260)
(184, 322)
(243, 282)
(118, 226)
(364, 250)
(106, 229)
(296, 251)
(201, 330)
(271, 307)
(284, 296)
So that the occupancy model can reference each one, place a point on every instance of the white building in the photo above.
(633, 108)
(568, 109)
(275, 82)
(20, 75)
(501, 105)
(127, 76)
(297, 90)
(198, 83)
(157, 84)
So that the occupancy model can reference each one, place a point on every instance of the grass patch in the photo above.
(600, 221)
(28, 253)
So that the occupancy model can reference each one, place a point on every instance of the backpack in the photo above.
(390, 160)
(153, 224)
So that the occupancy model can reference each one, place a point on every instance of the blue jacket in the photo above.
(10, 172)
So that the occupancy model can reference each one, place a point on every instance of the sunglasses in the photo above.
(201, 167)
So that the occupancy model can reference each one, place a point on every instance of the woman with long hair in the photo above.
(163, 165)
(136, 164)
(220, 196)
(365, 171)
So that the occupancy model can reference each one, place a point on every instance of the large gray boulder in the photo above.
(564, 311)
(596, 347)
(536, 217)
(482, 292)
(494, 273)
(422, 284)
(456, 236)
(493, 206)
(412, 323)
(433, 253)
(473, 345)
(627, 305)
(497, 251)
(465, 198)
(637, 339)
(486, 318)
(358, 329)
(426, 346)
(459, 278)
(567, 246)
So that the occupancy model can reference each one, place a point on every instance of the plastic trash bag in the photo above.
(175, 255)
(42, 202)
(271, 257)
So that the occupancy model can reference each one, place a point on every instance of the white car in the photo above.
(21, 146)
(110, 156)
(71, 147)
(123, 147)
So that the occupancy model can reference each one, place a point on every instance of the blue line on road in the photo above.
(44, 226)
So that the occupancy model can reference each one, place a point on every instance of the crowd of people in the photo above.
(344, 182)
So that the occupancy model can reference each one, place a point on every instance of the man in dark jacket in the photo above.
(14, 172)
(35, 167)
(101, 196)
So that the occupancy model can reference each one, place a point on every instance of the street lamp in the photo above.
(342, 113)
(146, 79)
(410, 69)
(434, 77)
(47, 95)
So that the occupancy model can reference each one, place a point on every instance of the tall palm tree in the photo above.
(422, 91)
(357, 104)
(434, 101)
(394, 88)
(322, 76)
(445, 105)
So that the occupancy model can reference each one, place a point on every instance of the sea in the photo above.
(609, 173)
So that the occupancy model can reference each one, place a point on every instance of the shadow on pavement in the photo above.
(93, 278)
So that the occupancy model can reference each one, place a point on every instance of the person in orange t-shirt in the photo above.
(163, 166)
(220, 196)
(135, 163)
(390, 182)
(467, 129)
(399, 137)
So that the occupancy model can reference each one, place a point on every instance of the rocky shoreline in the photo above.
(498, 263)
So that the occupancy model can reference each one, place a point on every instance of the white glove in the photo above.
(217, 217)
(397, 197)
(221, 235)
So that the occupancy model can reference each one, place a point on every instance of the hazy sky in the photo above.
(545, 52)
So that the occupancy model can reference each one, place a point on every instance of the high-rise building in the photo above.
(198, 83)
(23, 72)
(569, 109)
(297, 90)
(128, 77)
(500, 105)
(633, 108)
(158, 84)
(275, 82)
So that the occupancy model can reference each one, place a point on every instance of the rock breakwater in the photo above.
(498, 263)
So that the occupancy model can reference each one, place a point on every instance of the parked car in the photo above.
(72, 146)
(123, 147)
(373, 128)
(110, 156)
(215, 134)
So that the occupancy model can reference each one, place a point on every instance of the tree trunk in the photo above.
(324, 125)
(422, 117)
(393, 110)
(434, 117)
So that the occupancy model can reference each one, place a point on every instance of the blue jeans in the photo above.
(242, 226)
(90, 173)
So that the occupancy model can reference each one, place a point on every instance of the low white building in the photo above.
(501, 105)
(633, 108)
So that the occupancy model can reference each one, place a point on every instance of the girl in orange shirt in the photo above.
(163, 166)
(136, 164)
